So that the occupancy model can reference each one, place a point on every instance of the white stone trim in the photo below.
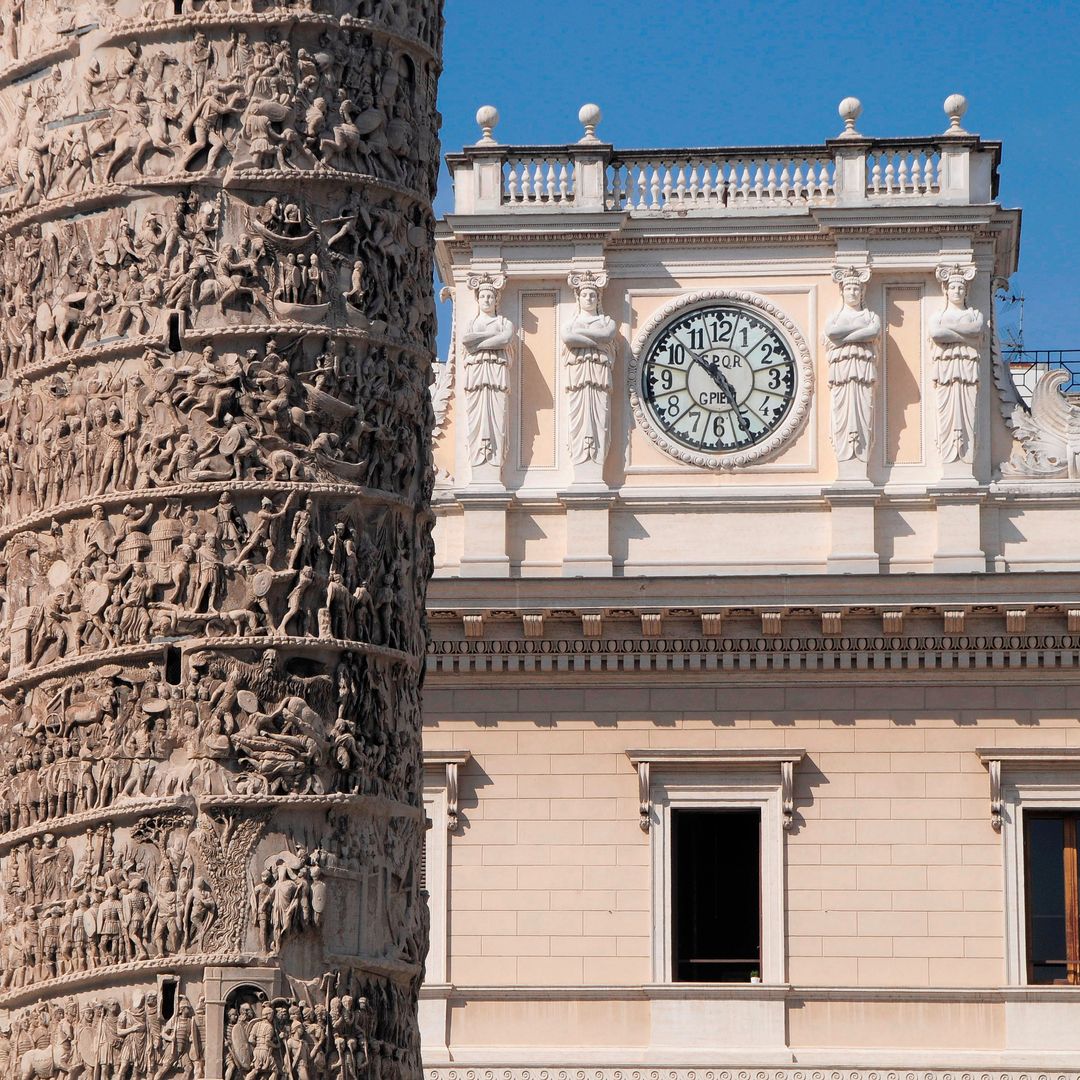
(800, 406)
(735, 779)
(440, 806)
(1033, 778)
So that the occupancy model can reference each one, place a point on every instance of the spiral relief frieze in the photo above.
(216, 332)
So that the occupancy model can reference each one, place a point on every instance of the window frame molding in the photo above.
(440, 794)
(739, 779)
(1025, 779)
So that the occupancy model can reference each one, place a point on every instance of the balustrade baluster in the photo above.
(875, 175)
(680, 183)
(564, 183)
(770, 180)
(797, 181)
(889, 175)
(667, 182)
(785, 181)
(901, 175)
(695, 186)
(643, 182)
(916, 172)
(512, 182)
(654, 187)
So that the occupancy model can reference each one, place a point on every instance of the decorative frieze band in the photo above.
(893, 653)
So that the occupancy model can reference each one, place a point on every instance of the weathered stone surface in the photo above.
(218, 322)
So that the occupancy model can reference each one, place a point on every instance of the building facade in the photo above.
(751, 733)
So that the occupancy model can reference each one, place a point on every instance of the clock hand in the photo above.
(722, 381)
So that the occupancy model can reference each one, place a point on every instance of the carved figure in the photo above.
(851, 336)
(588, 356)
(956, 335)
(487, 384)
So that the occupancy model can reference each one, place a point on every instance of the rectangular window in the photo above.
(1053, 898)
(716, 902)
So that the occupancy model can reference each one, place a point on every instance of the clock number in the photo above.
(714, 332)
(727, 328)
(743, 332)
(697, 422)
(774, 379)
(672, 407)
(666, 380)
(769, 350)
(718, 428)
(677, 354)
(697, 338)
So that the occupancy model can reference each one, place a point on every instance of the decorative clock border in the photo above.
(800, 405)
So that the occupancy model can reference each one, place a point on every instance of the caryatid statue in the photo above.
(216, 341)
(851, 339)
(957, 333)
(486, 341)
(588, 356)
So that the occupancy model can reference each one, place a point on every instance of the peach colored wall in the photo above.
(894, 873)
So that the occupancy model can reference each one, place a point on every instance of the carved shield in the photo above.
(59, 574)
(95, 597)
(163, 380)
(263, 582)
(247, 701)
(35, 408)
(44, 317)
(155, 706)
(230, 441)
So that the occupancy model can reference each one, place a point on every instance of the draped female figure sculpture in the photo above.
(851, 336)
(487, 382)
(588, 356)
(956, 335)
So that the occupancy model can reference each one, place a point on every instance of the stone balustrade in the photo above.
(955, 167)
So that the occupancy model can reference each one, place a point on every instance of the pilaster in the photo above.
(485, 533)
(959, 525)
(853, 549)
(588, 533)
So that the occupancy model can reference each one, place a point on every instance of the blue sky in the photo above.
(704, 72)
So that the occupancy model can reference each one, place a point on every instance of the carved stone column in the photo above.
(218, 324)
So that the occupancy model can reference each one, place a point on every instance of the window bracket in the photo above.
(785, 760)
(450, 759)
(993, 757)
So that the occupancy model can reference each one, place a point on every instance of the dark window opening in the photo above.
(173, 671)
(178, 7)
(716, 902)
(1053, 898)
(304, 666)
(175, 343)
(167, 997)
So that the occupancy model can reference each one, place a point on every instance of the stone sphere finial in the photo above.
(589, 116)
(955, 106)
(850, 109)
(487, 116)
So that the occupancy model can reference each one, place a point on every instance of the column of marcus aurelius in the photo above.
(215, 346)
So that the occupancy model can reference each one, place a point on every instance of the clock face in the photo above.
(718, 378)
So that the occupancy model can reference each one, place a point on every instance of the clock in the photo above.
(720, 378)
